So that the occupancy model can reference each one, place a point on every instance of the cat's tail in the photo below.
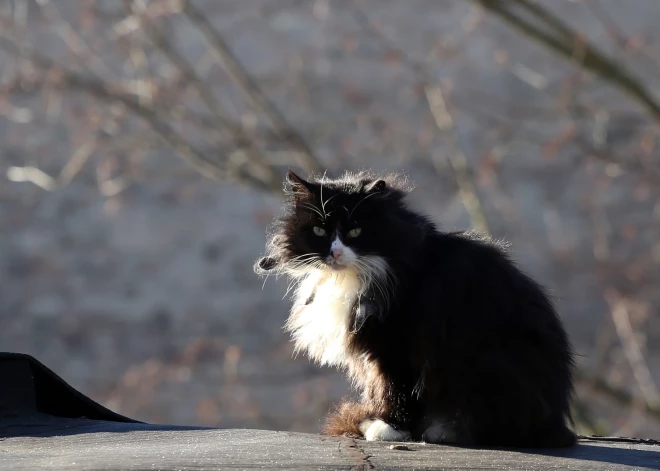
(346, 418)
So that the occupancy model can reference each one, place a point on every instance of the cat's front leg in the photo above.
(355, 419)
(378, 430)
(387, 400)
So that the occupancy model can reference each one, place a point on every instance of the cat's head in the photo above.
(358, 221)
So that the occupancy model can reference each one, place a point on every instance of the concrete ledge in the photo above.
(45, 424)
(50, 443)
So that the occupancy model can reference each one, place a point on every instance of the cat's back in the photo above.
(467, 272)
(465, 253)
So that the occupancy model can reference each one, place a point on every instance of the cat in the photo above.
(444, 338)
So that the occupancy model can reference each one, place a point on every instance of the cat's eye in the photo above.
(319, 231)
(353, 233)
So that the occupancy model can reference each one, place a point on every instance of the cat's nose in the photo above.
(337, 252)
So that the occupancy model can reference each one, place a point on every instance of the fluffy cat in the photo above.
(445, 339)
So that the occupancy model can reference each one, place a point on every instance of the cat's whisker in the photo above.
(323, 203)
(301, 259)
(265, 280)
(288, 289)
(304, 256)
(375, 276)
(367, 278)
(361, 201)
(292, 285)
(313, 208)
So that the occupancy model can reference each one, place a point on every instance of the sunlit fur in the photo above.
(444, 338)
(321, 327)
(330, 297)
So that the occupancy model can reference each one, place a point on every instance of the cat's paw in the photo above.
(377, 430)
(440, 433)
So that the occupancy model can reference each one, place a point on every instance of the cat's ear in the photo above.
(375, 186)
(299, 186)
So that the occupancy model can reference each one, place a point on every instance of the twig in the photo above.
(457, 159)
(33, 175)
(639, 441)
(235, 70)
(615, 31)
(445, 123)
(571, 46)
(618, 395)
(526, 111)
(632, 350)
(187, 71)
(75, 42)
(208, 98)
(70, 80)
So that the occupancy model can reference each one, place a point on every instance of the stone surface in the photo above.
(73, 444)
(47, 424)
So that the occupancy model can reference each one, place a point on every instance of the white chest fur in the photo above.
(322, 327)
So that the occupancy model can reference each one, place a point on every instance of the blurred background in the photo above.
(143, 146)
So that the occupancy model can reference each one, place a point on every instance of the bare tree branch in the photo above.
(72, 81)
(187, 71)
(624, 398)
(74, 41)
(457, 159)
(633, 351)
(573, 47)
(445, 123)
(235, 69)
(224, 124)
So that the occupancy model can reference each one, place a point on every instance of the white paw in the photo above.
(439, 433)
(377, 430)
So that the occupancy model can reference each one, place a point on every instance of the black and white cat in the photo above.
(445, 339)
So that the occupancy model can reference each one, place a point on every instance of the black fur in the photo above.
(463, 336)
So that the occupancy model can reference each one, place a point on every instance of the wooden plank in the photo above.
(76, 444)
